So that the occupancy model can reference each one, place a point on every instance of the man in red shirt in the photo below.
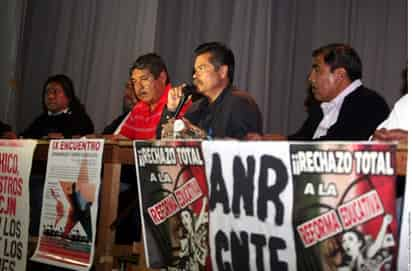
(151, 85)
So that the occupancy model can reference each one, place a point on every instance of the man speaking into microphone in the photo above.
(151, 84)
(224, 111)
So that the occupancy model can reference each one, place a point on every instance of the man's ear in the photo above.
(341, 73)
(224, 71)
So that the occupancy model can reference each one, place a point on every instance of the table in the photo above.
(118, 153)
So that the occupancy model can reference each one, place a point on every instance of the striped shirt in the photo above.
(142, 122)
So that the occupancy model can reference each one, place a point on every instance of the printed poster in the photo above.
(173, 204)
(250, 203)
(344, 206)
(70, 202)
(16, 158)
(316, 206)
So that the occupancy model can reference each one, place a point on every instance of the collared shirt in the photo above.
(58, 113)
(210, 113)
(331, 109)
(142, 121)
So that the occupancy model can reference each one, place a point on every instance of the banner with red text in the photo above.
(173, 204)
(70, 203)
(295, 206)
(344, 210)
(15, 165)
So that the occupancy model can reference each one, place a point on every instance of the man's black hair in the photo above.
(220, 55)
(339, 55)
(153, 62)
(68, 88)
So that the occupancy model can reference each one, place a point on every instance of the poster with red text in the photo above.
(70, 202)
(344, 207)
(326, 206)
(15, 165)
(173, 204)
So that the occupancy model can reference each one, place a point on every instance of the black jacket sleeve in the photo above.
(81, 124)
(111, 128)
(245, 118)
(309, 126)
(69, 124)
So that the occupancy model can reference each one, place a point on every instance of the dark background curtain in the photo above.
(273, 41)
(95, 42)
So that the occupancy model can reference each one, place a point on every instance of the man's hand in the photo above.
(390, 135)
(188, 131)
(168, 129)
(174, 96)
(192, 130)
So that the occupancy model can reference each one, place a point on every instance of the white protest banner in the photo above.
(15, 165)
(70, 203)
(250, 205)
(301, 206)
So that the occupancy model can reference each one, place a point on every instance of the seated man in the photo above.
(129, 100)
(6, 131)
(151, 85)
(63, 115)
(224, 111)
(347, 110)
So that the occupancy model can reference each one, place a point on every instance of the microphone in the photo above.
(187, 91)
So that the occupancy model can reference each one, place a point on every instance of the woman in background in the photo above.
(63, 115)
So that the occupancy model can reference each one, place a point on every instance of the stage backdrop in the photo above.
(96, 41)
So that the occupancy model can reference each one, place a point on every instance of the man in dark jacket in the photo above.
(223, 111)
(347, 110)
(129, 100)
